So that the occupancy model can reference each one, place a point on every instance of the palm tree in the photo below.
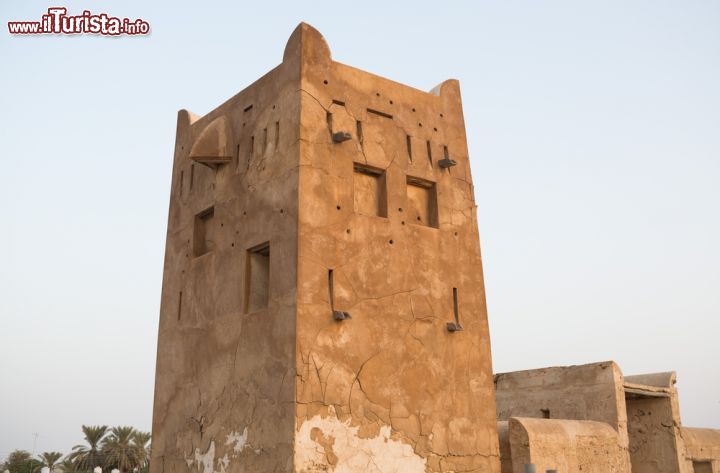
(121, 451)
(67, 465)
(87, 457)
(49, 460)
(141, 440)
(19, 461)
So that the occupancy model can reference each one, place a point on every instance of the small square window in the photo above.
(257, 278)
(204, 232)
(422, 202)
(369, 191)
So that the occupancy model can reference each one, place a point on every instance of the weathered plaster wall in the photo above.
(224, 395)
(702, 447)
(656, 443)
(652, 430)
(389, 389)
(585, 392)
(505, 450)
(566, 446)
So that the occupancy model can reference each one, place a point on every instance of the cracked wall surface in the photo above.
(391, 379)
(321, 238)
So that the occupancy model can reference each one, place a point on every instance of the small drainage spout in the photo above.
(341, 136)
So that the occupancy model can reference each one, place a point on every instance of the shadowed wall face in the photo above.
(224, 395)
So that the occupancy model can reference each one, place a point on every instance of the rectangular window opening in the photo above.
(257, 278)
(369, 190)
(422, 203)
(545, 413)
(204, 232)
(702, 466)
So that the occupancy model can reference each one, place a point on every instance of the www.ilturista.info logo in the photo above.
(57, 21)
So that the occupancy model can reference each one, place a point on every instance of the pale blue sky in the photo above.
(594, 133)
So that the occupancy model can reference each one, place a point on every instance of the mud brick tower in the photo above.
(323, 306)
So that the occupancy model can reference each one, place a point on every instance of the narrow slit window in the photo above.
(251, 150)
(257, 278)
(369, 191)
(408, 141)
(179, 314)
(429, 153)
(237, 157)
(277, 135)
(192, 175)
(329, 119)
(359, 130)
(265, 141)
(379, 113)
(331, 289)
(456, 309)
(182, 178)
(204, 232)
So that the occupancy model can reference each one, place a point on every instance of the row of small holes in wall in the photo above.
(377, 94)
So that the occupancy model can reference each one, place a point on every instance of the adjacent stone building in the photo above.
(323, 305)
(591, 418)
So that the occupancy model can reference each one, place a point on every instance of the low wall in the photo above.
(566, 446)
(702, 447)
